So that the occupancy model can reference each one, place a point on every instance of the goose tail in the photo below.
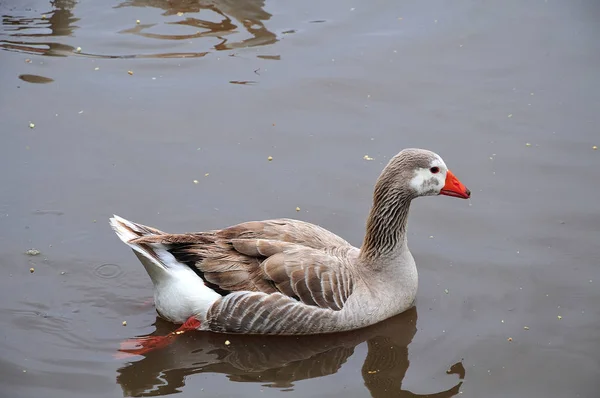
(155, 257)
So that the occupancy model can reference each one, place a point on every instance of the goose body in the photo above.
(285, 276)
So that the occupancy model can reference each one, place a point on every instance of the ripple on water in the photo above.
(209, 26)
(108, 271)
(50, 327)
(47, 345)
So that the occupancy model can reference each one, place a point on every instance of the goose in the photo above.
(290, 277)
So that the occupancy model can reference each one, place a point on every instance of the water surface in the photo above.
(165, 112)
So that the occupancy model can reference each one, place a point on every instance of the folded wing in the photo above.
(259, 256)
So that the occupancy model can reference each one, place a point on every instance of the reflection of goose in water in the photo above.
(249, 13)
(279, 361)
(37, 35)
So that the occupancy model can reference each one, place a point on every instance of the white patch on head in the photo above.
(426, 183)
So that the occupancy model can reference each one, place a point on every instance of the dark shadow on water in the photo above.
(280, 361)
(35, 79)
(229, 18)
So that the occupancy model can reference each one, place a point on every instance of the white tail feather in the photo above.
(178, 292)
(127, 231)
(124, 228)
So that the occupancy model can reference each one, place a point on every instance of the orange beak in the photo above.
(454, 187)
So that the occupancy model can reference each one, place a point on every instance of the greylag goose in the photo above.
(285, 276)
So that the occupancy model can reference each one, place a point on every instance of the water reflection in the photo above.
(233, 24)
(279, 362)
(59, 21)
(249, 13)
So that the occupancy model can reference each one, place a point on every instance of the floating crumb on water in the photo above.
(97, 68)
(195, 181)
(371, 372)
(510, 115)
(270, 158)
(528, 144)
(526, 327)
(227, 342)
(179, 14)
(594, 147)
(206, 175)
(297, 209)
(31, 125)
(124, 323)
(137, 21)
(509, 339)
(32, 270)
(94, 221)
(367, 157)
(559, 317)
(502, 321)
(446, 291)
(43, 16)
(78, 49)
(130, 72)
(32, 252)
(62, 272)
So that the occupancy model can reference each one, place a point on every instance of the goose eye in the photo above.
(435, 170)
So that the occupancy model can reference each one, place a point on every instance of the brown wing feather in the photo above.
(298, 259)
(284, 230)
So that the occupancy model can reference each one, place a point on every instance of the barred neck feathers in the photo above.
(386, 225)
(406, 176)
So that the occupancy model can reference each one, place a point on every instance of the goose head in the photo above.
(419, 172)
(408, 175)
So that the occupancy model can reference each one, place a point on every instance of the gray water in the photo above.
(508, 93)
